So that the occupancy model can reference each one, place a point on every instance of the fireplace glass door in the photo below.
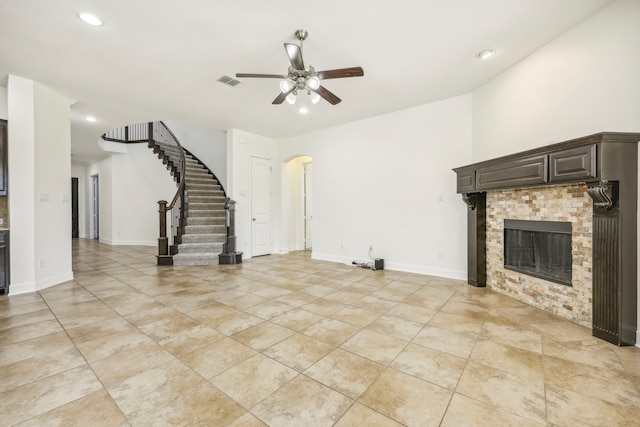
(539, 248)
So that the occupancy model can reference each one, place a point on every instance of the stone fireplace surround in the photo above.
(591, 182)
(569, 203)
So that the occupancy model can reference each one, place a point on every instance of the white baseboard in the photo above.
(54, 280)
(128, 242)
(407, 268)
(134, 243)
(22, 288)
(431, 271)
(28, 287)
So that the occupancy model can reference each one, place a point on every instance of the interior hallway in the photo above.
(284, 340)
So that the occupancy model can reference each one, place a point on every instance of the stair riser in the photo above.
(206, 206)
(205, 229)
(204, 238)
(200, 248)
(207, 199)
(205, 221)
(213, 260)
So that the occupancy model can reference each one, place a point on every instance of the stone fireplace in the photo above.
(588, 186)
(564, 204)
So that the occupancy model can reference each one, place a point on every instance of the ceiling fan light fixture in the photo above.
(285, 86)
(303, 110)
(313, 82)
(291, 98)
(314, 97)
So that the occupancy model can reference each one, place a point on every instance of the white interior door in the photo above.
(308, 207)
(260, 206)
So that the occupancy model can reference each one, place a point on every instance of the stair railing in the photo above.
(164, 140)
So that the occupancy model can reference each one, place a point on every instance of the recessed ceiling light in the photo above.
(90, 18)
(91, 119)
(485, 54)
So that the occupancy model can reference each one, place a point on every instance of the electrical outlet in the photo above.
(370, 248)
(341, 245)
(440, 255)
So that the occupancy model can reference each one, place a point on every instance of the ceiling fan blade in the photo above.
(341, 73)
(327, 95)
(264, 76)
(280, 98)
(295, 56)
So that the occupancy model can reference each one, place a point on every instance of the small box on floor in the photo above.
(378, 264)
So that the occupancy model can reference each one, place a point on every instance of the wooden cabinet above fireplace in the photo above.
(591, 158)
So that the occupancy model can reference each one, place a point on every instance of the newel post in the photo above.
(229, 254)
(163, 241)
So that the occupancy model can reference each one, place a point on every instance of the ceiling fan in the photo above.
(301, 78)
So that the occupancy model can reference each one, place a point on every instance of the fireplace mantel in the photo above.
(608, 163)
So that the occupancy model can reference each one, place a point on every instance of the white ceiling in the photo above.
(157, 60)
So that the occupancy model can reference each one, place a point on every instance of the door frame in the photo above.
(307, 200)
(253, 215)
(95, 207)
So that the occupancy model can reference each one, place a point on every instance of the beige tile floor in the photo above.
(284, 340)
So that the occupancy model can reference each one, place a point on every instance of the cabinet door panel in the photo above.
(573, 164)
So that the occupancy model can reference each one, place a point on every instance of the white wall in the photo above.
(387, 182)
(39, 186)
(241, 147)
(4, 113)
(21, 134)
(130, 186)
(209, 146)
(139, 181)
(585, 81)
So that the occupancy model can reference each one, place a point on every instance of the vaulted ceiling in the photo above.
(155, 60)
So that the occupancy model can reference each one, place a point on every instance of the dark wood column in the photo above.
(476, 238)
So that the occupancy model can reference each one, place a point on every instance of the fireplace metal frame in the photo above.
(555, 227)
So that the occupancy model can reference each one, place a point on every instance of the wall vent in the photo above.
(229, 80)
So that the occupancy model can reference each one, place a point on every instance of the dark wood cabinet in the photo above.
(466, 182)
(513, 173)
(4, 182)
(577, 164)
(4, 262)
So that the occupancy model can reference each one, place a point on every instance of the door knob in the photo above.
(254, 219)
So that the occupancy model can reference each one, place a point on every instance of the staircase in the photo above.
(201, 238)
(200, 229)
